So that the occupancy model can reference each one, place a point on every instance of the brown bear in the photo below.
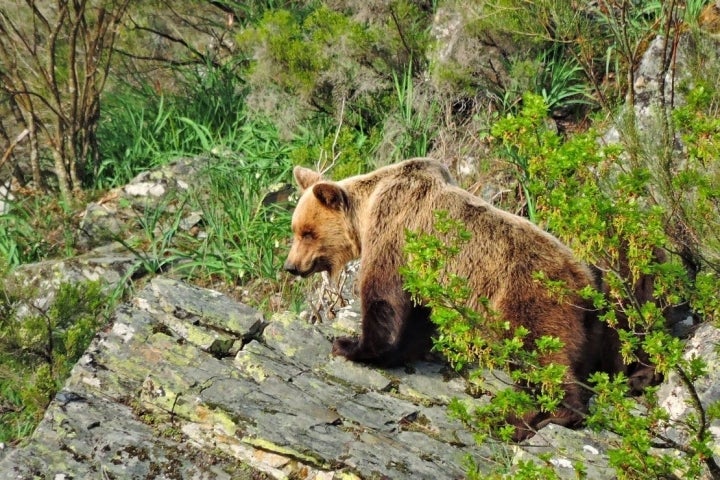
(366, 217)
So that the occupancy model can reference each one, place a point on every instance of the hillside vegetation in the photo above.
(538, 106)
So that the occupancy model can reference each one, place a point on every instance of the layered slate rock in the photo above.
(187, 383)
(111, 265)
(679, 402)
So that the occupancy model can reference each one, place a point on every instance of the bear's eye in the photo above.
(307, 235)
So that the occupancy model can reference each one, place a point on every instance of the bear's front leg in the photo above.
(379, 342)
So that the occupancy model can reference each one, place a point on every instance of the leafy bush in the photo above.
(605, 208)
(312, 54)
(342, 148)
(38, 350)
(590, 198)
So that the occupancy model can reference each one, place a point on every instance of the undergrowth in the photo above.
(38, 348)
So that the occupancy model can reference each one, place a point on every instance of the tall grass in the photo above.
(419, 126)
(141, 128)
(245, 236)
(241, 237)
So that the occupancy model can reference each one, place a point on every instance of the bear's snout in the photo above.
(290, 267)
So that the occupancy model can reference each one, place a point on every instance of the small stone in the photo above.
(591, 450)
(561, 462)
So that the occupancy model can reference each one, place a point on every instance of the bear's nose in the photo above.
(291, 267)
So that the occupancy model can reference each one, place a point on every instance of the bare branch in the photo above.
(13, 144)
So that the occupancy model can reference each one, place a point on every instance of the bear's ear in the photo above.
(332, 195)
(305, 177)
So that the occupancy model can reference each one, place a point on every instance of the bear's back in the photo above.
(504, 248)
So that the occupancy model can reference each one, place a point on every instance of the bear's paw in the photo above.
(346, 347)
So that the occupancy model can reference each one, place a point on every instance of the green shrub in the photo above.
(319, 60)
(571, 53)
(296, 50)
(342, 148)
(38, 350)
(606, 209)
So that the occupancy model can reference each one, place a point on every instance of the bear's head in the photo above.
(324, 237)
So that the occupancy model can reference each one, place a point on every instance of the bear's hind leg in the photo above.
(570, 414)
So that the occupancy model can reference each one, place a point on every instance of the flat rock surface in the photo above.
(187, 383)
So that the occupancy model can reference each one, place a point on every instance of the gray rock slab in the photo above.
(299, 341)
(421, 381)
(122, 210)
(94, 436)
(259, 362)
(677, 399)
(357, 375)
(208, 308)
(379, 411)
(110, 265)
(151, 399)
(564, 449)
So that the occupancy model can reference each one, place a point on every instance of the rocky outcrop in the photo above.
(123, 209)
(187, 383)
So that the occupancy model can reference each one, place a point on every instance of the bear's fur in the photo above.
(366, 217)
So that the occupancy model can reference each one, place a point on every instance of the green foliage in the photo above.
(38, 350)
(512, 129)
(242, 233)
(562, 82)
(692, 190)
(360, 73)
(589, 197)
(343, 148)
(407, 130)
(19, 241)
(479, 340)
